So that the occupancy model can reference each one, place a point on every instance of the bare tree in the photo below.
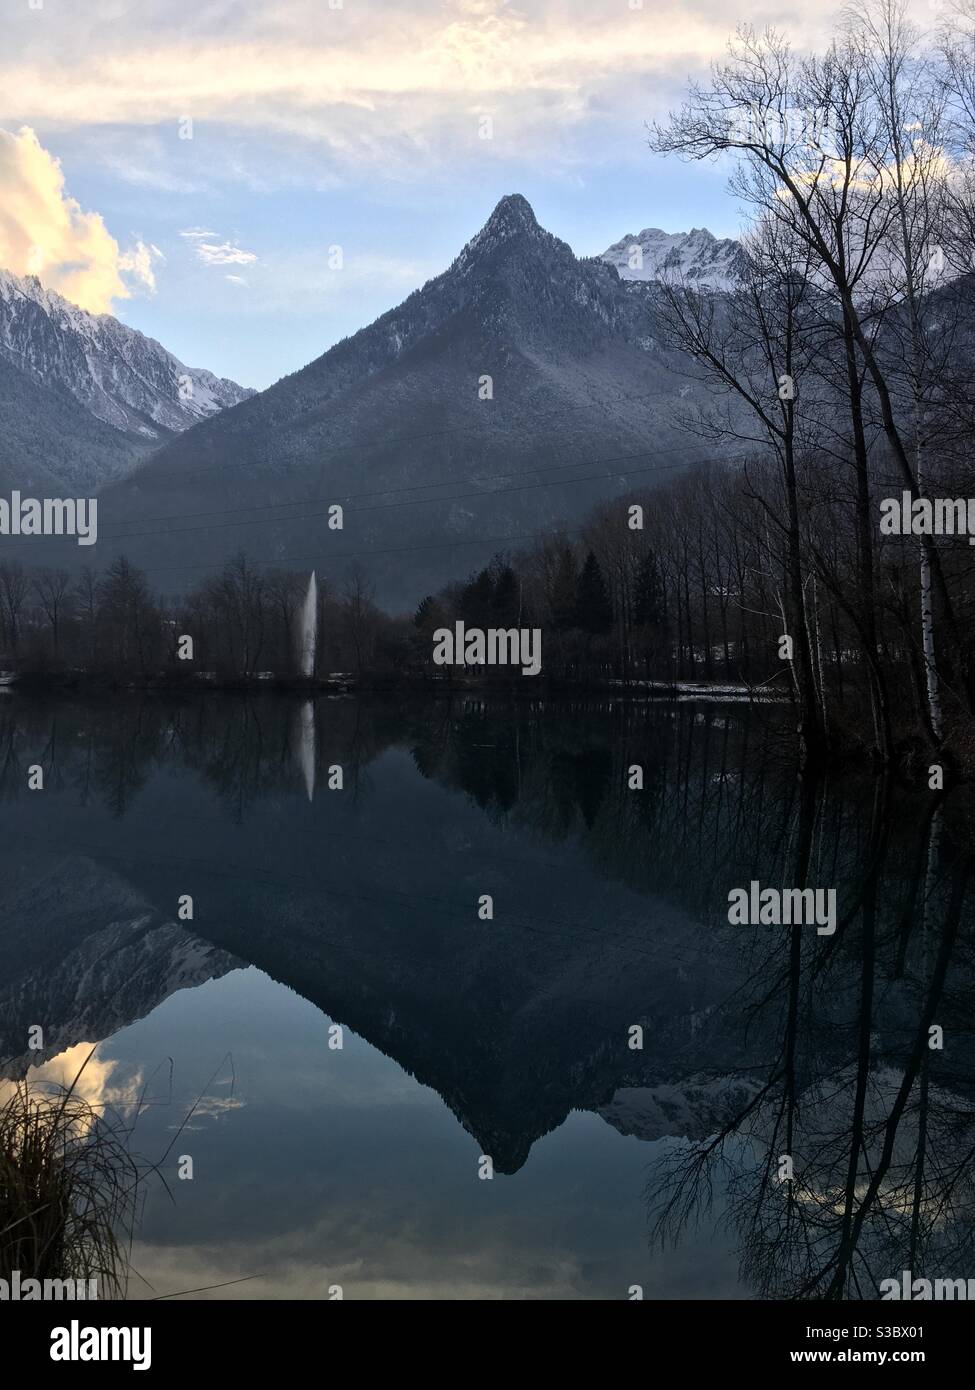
(53, 590)
(14, 588)
(819, 156)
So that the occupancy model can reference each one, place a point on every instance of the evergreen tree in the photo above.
(562, 590)
(507, 597)
(429, 614)
(477, 600)
(647, 593)
(594, 612)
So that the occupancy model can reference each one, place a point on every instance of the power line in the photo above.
(320, 563)
(411, 487)
(457, 497)
(379, 443)
(418, 501)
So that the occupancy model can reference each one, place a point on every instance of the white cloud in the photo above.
(375, 86)
(92, 1079)
(211, 253)
(299, 282)
(140, 262)
(45, 232)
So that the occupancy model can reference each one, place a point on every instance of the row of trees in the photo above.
(242, 622)
(843, 362)
(49, 616)
(687, 583)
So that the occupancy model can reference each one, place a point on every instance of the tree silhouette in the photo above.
(594, 612)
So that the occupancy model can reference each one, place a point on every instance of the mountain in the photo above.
(694, 258)
(50, 445)
(608, 913)
(131, 394)
(437, 466)
(84, 955)
(512, 1034)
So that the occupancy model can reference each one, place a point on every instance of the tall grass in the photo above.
(68, 1186)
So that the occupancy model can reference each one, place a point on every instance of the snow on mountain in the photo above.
(125, 380)
(695, 258)
(692, 1108)
(85, 952)
(576, 375)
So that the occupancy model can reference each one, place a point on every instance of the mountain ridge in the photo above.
(145, 395)
(126, 383)
(696, 258)
(453, 384)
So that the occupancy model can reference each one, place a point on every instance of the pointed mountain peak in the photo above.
(512, 221)
(513, 214)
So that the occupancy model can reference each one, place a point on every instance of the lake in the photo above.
(440, 1000)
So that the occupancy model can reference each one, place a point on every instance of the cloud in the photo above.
(45, 232)
(374, 87)
(301, 282)
(97, 1084)
(211, 253)
(140, 263)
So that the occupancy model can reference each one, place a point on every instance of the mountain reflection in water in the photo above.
(615, 1166)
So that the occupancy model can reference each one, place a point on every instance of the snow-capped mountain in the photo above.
(123, 378)
(520, 358)
(695, 258)
(50, 444)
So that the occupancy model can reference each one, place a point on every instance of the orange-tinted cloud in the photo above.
(45, 232)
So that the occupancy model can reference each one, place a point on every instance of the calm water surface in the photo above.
(614, 1166)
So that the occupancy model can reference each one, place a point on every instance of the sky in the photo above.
(250, 182)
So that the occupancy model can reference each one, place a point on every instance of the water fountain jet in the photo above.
(308, 629)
